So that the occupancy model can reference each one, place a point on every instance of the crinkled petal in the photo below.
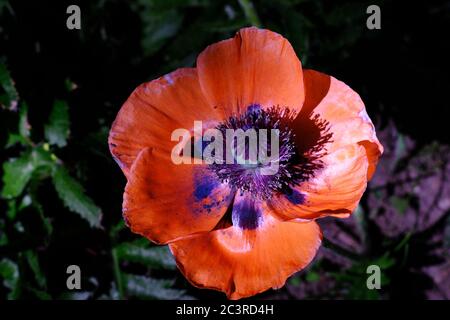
(352, 152)
(154, 110)
(164, 201)
(248, 258)
(255, 67)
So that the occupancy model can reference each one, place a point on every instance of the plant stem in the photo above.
(117, 274)
(250, 12)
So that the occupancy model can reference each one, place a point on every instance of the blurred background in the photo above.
(61, 191)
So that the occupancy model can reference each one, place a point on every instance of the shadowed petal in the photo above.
(351, 154)
(164, 201)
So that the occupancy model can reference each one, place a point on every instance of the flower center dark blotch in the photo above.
(292, 166)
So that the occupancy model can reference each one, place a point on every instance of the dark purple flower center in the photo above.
(301, 145)
(249, 177)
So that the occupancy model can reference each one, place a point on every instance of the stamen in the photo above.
(293, 167)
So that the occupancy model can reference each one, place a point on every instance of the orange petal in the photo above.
(153, 111)
(336, 190)
(255, 67)
(164, 201)
(352, 154)
(244, 262)
(342, 107)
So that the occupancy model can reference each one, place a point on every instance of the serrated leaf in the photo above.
(23, 135)
(72, 194)
(9, 272)
(11, 97)
(154, 257)
(158, 28)
(57, 128)
(150, 288)
(17, 173)
(33, 262)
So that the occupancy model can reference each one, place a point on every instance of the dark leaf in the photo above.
(10, 98)
(24, 126)
(9, 272)
(57, 128)
(149, 288)
(154, 257)
(33, 262)
(17, 173)
(72, 194)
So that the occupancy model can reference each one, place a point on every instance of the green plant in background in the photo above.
(24, 172)
(145, 287)
(37, 161)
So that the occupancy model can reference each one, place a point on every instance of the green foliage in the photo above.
(3, 236)
(154, 257)
(9, 98)
(39, 162)
(73, 196)
(17, 173)
(158, 28)
(312, 276)
(29, 167)
(9, 272)
(33, 261)
(24, 126)
(250, 13)
(149, 288)
(401, 204)
(57, 129)
(22, 136)
(354, 280)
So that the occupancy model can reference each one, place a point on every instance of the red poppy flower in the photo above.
(231, 229)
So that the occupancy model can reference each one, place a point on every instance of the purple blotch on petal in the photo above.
(204, 186)
(295, 197)
(246, 214)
